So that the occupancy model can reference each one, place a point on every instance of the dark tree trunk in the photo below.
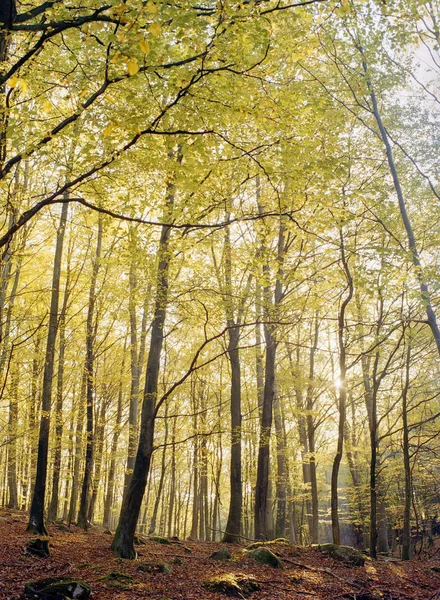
(263, 527)
(90, 386)
(406, 546)
(36, 517)
(342, 396)
(135, 371)
(53, 506)
(314, 531)
(282, 472)
(131, 504)
(111, 474)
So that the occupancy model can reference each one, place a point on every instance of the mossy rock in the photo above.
(119, 581)
(346, 554)
(159, 540)
(265, 556)
(38, 547)
(57, 588)
(221, 554)
(155, 567)
(232, 584)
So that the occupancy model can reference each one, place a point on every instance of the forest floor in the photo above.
(307, 572)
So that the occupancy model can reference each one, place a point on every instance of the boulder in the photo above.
(155, 567)
(232, 584)
(265, 556)
(346, 554)
(222, 554)
(57, 588)
(38, 547)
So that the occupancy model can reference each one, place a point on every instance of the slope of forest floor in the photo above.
(307, 572)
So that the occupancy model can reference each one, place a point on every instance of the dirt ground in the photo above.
(307, 572)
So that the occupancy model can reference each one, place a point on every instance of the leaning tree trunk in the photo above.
(131, 504)
(90, 385)
(36, 517)
(424, 289)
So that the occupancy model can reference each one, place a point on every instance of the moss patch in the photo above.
(232, 584)
(346, 554)
(265, 556)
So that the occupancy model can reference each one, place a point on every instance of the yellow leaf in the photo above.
(155, 29)
(132, 66)
(47, 107)
(23, 85)
(116, 58)
(108, 130)
(13, 81)
(144, 46)
(151, 7)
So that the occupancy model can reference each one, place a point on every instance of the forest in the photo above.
(219, 277)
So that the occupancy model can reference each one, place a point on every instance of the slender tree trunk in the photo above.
(123, 540)
(311, 438)
(281, 481)
(78, 448)
(424, 289)
(90, 385)
(135, 370)
(36, 517)
(163, 469)
(99, 436)
(12, 446)
(53, 506)
(116, 433)
(262, 498)
(406, 547)
(342, 396)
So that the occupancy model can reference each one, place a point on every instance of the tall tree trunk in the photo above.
(152, 528)
(314, 531)
(342, 395)
(281, 481)
(123, 540)
(12, 439)
(135, 368)
(90, 385)
(78, 448)
(99, 436)
(406, 546)
(36, 517)
(53, 506)
(114, 447)
(262, 506)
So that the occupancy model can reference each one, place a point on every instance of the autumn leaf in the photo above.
(151, 7)
(155, 29)
(13, 82)
(144, 46)
(132, 67)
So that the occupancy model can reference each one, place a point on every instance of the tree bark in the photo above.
(90, 385)
(36, 517)
(131, 504)
(336, 534)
